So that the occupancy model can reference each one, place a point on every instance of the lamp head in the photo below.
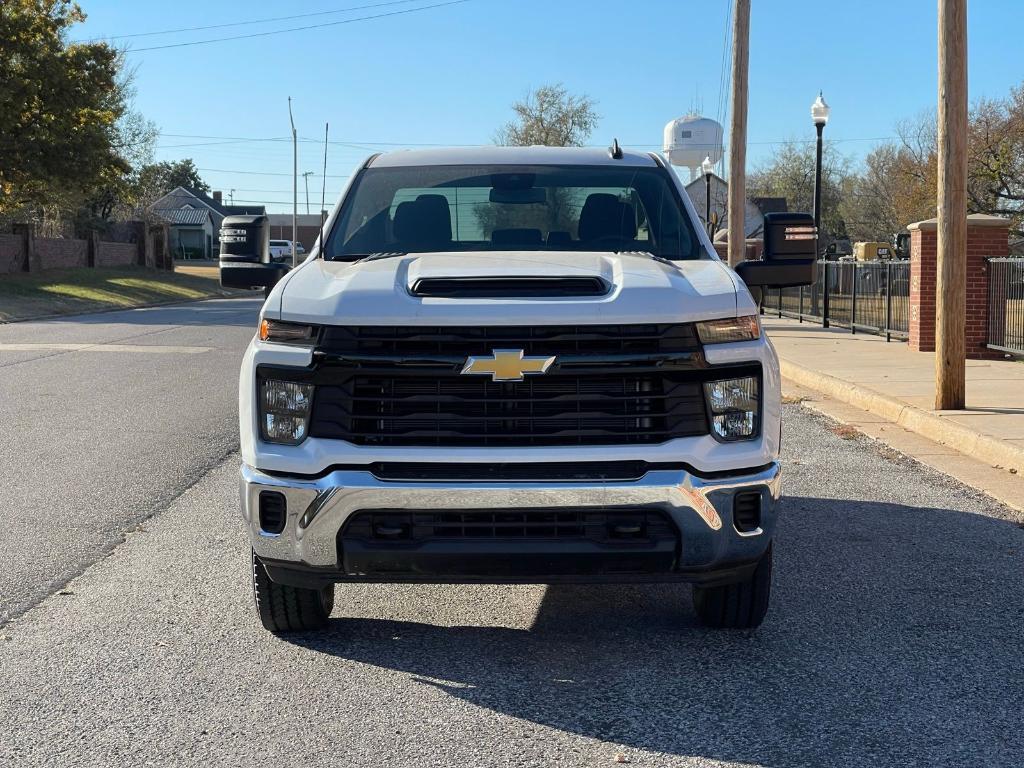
(820, 111)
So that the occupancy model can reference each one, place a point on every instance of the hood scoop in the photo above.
(496, 287)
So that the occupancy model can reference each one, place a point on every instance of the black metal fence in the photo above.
(869, 296)
(1006, 305)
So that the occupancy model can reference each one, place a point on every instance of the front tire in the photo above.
(283, 608)
(742, 605)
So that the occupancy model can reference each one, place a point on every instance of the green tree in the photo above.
(61, 107)
(157, 179)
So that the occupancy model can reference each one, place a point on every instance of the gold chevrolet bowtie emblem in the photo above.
(507, 365)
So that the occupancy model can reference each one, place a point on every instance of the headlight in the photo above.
(735, 408)
(284, 411)
(729, 329)
(287, 333)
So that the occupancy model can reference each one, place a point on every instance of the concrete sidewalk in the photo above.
(897, 384)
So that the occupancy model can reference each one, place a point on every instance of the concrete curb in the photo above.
(931, 425)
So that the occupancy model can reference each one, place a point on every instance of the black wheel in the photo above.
(289, 609)
(737, 606)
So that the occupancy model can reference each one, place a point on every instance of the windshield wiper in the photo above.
(380, 255)
(648, 254)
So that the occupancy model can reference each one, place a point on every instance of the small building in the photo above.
(308, 227)
(190, 231)
(756, 208)
(174, 208)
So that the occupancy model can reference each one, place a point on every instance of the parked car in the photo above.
(281, 250)
(515, 365)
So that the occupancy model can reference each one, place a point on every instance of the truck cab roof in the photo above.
(511, 156)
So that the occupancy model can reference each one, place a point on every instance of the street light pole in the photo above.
(819, 114)
(295, 185)
(709, 168)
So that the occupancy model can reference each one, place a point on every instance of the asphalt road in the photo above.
(894, 638)
(104, 420)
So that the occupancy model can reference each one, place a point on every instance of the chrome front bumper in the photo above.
(700, 507)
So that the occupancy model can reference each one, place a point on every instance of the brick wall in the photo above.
(12, 253)
(117, 254)
(986, 236)
(61, 253)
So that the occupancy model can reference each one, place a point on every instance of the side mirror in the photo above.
(245, 254)
(790, 253)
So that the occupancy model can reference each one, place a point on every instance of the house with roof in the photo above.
(194, 221)
(754, 211)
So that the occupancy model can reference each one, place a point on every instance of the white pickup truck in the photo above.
(513, 365)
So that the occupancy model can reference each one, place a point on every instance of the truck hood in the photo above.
(642, 289)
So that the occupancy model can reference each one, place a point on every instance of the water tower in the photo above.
(689, 139)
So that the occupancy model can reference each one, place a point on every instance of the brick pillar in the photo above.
(29, 255)
(923, 246)
(139, 237)
(92, 253)
(986, 236)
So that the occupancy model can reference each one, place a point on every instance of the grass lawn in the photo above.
(71, 291)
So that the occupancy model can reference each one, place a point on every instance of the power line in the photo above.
(363, 144)
(261, 173)
(298, 29)
(245, 23)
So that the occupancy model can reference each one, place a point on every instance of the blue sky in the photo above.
(448, 75)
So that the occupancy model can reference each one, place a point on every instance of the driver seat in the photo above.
(604, 216)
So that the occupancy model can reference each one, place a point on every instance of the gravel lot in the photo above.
(894, 638)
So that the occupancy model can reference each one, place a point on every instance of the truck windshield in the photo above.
(420, 209)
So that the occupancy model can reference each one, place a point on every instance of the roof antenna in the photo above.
(323, 194)
(615, 151)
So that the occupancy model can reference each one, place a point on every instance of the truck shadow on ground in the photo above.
(894, 638)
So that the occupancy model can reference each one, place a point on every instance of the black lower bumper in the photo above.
(525, 567)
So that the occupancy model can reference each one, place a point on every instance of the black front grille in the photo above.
(608, 385)
(543, 340)
(567, 409)
(609, 526)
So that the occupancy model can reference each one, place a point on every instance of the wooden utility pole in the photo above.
(951, 266)
(738, 131)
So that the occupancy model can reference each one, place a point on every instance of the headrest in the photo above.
(517, 237)
(425, 222)
(605, 216)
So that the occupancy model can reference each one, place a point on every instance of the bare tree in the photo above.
(550, 116)
(789, 173)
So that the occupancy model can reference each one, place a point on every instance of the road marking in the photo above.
(151, 349)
